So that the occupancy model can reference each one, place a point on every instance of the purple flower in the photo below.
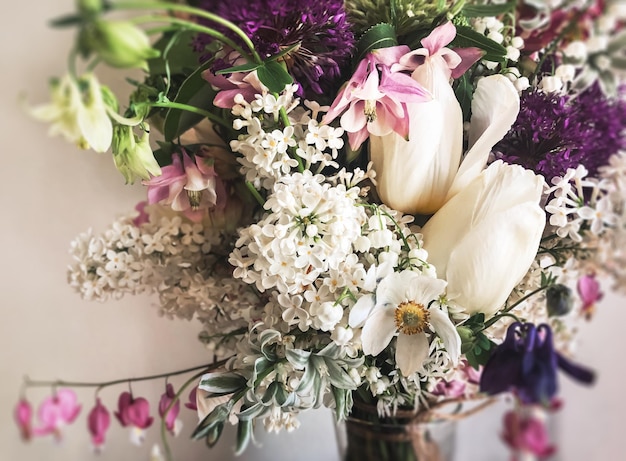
(318, 29)
(98, 423)
(526, 363)
(134, 413)
(555, 132)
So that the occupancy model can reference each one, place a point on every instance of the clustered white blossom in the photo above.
(183, 262)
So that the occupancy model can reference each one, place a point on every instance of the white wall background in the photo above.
(51, 192)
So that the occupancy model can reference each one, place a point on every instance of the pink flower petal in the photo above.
(439, 37)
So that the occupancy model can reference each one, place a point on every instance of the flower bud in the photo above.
(98, 423)
(133, 156)
(119, 43)
(559, 300)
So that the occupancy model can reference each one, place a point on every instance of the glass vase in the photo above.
(365, 436)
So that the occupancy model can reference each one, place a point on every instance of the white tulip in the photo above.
(419, 175)
(484, 239)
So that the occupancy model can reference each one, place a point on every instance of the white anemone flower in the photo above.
(404, 308)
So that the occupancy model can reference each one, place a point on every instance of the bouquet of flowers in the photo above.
(381, 207)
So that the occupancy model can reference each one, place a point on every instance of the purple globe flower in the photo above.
(526, 363)
(555, 132)
(318, 29)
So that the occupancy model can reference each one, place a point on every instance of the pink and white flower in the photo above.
(57, 411)
(172, 423)
(134, 413)
(98, 423)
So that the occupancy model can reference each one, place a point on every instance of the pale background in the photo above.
(51, 192)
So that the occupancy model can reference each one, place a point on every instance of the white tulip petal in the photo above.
(495, 106)
(445, 329)
(378, 330)
(360, 311)
(411, 352)
(487, 264)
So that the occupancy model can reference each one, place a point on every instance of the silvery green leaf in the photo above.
(222, 383)
(261, 365)
(306, 382)
(318, 391)
(252, 412)
(244, 435)
(298, 358)
(340, 403)
(213, 435)
(339, 377)
(617, 43)
(219, 414)
(266, 338)
(619, 63)
(284, 398)
(270, 393)
(330, 351)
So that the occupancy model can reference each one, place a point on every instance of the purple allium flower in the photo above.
(555, 132)
(319, 28)
(526, 363)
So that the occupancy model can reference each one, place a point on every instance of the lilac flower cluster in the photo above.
(553, 132)
(318, 28)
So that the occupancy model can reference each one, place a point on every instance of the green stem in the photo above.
(194, 11)
(497, 317)
(101, 385)
(285, 119)
(188, 25)
(255, 193)
(166, 447)
(525, 297)
(196, 110)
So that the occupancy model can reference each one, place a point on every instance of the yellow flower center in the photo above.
(411, 318)
(370, 110)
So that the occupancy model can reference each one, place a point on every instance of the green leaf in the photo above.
(247, 67)
(479, 11)
(214, 434)
(219, 414)
(176, 48)
(306, 382)
(194, 91)
(274, 76)
(338, 376)
(244, 435)
(270, 393)
(284, 398)
(252, 412)
(298, 358)
(464, 93)
(67, 21)
(381, 35)
(467, 37)
(222, 383)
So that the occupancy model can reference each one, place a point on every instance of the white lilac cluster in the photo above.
(269, 150)
(181, 261)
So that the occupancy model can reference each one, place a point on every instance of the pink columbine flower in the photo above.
(188, 185)
(374, 99)
(171, 423)
(191, 404)
(57, 411)
(23, 415)
(451, 389)
(98, 422)
(590, 294)
(526, 434)
(134, 413)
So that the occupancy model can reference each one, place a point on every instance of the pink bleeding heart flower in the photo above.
(23, 415)
(374, 99)
(98, 422)
(526, 434)
(189, 185)
(57, 411)
(191, 404)
(134, 413)
(590, 294)
(171, 423)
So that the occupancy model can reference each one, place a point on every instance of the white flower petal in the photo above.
(445, 329)
(360, 311)
(378, 331)
(495, 106)
(411, 351)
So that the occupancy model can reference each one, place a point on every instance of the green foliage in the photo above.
(474, 343)
(491, 9)
(379, 36)
(222, 383)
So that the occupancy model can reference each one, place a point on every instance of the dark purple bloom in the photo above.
(526, 363)
(555, 132)
(318, 29)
